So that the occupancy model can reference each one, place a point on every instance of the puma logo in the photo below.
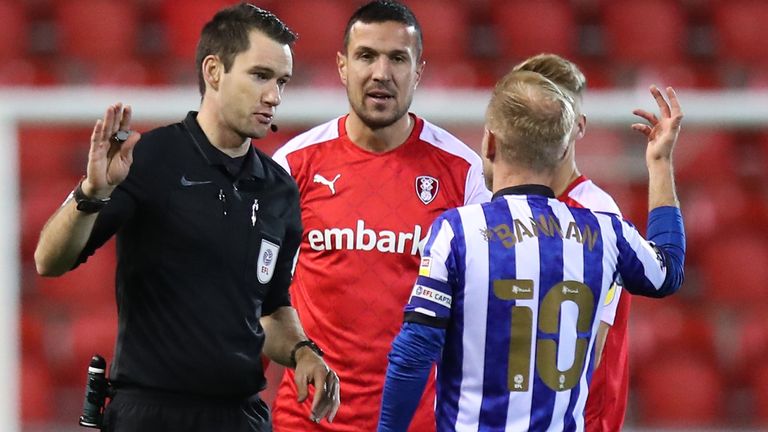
(330, 183)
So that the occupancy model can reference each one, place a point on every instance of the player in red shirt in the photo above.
(371, 182)
(607, 400)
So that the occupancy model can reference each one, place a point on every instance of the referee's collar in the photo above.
(526, 189)
(214, 156)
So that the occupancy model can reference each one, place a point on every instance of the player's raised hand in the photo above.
(111, 152)
(311, 369)
(661, 132)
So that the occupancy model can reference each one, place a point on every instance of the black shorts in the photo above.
(140, 410)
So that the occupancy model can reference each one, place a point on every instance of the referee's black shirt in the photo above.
(205, 247)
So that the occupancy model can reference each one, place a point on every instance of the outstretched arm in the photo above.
(67, 231)
(661, 134)
(665, 222)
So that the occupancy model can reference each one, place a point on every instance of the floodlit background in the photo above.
(696, 359)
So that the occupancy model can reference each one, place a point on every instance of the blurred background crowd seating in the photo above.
(697, 360)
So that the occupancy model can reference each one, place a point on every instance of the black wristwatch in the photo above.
(309, 343)
(86, 204)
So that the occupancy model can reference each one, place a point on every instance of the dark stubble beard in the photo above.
(375, 123)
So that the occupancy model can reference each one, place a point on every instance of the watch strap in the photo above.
(85, 203)
(309, 343)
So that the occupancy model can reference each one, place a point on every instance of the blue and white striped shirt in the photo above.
(514, 288)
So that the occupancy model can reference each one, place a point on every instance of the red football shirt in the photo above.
(364, 214)
(607, 399)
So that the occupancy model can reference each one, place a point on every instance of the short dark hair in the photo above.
(380, 11)
(227, 34)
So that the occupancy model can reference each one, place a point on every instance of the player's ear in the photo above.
(212, 71)
(420, 65)
(489, 144)
(341, 65)
(581, 126)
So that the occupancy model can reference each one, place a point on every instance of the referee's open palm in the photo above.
(109, 159)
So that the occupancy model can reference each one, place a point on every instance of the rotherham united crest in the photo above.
(426, 188)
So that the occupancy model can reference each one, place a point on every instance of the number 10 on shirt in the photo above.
(521, 330)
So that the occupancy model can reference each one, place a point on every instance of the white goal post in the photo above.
(301, 106)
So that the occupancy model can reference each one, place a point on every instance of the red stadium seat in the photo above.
(680, 75)
(183, 23)
(131, 72)
(93, 333)
(704, 209)
(97, 30)
(88, 288)
(680, 391)
(763, 151)
(751, 350)
(740, 31)
(26, 72)
(651, 31)
(669, 326)
(320, 26)
(37, 396)
(760, 394)
(445, 28)
(51, 153)
(705, 156)
(14, 28)
(31, 330)
(455, 74)
(598, 146)
(78, 338)
(525, 28)
(598, 75)
(735, 268)
(37, 204)
(447, 36)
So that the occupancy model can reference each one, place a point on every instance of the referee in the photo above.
(207, 229)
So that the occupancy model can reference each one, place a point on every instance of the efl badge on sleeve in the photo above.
(426, 188)
(267, 258)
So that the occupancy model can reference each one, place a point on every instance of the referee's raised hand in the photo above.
(311, 369)
(111, 152)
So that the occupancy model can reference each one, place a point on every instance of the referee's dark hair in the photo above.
(226, 35)
(382, 11)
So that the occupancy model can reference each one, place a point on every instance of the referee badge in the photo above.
(426, 188)
(267, 258)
